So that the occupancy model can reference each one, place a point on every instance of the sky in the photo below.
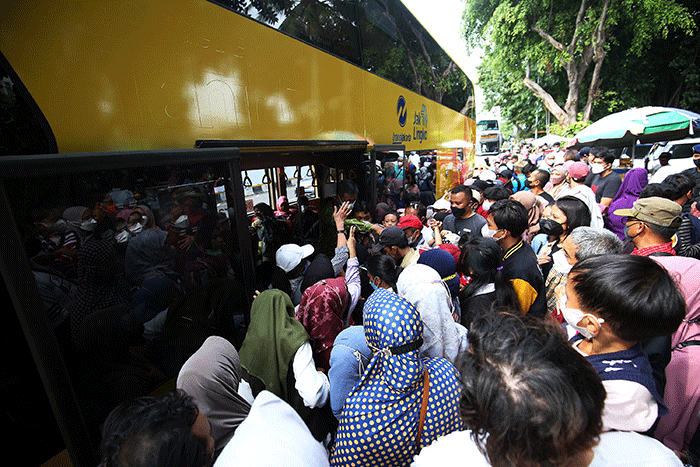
(443, 19)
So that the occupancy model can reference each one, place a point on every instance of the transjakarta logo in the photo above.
(401, 111)
(420, 124)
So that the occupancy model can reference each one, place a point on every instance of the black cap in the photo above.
(390, 236)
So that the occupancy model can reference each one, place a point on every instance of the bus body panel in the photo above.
(168, 73)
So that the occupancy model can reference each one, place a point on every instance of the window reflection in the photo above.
(379, 35)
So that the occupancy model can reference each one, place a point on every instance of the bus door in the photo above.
(80, 397)
(379, 155)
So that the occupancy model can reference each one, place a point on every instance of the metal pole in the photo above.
(244, 243)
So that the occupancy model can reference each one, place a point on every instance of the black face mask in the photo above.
(697, 162)
(458, 212)
(550, 227)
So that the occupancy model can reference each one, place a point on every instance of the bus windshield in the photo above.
(487, 125)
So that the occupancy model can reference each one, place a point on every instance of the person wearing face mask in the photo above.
(605, 183)
(568, 213)
(507, 221)
(463, 218)
(583, 242)
(81, 222)
(413, 228)
(577, 173)
(612, 304)
(393, 242)
(490, 196)
(557, 186)
(650, 225)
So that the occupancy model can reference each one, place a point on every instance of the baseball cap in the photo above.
(410, 220)
(390, 236)
(290, 255)
(696, 149)
(654, 210)
(441, 204)
(578, 170)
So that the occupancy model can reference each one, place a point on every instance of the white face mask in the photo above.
(486, 205)
(574, 316)
(122, 237)
(182, 222)
(137, 228)
(88, 225)
(488, 233)
(597, 168)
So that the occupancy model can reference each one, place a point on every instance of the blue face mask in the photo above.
(626, 231)
(374, 286)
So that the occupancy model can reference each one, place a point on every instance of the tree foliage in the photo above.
(569, 53)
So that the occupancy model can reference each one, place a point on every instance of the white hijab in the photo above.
(442, 336)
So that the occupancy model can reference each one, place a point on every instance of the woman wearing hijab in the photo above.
(423, 287)
(535, 207)
(403, 402)
(146, 257)
(278, 356)
(557, 186)
(349, 359)
(633, 183)
(283, 209)
(446, 266)
(322, 311)
(212, 376)
(147, 214)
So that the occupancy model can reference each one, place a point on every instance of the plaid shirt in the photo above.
(663, 248)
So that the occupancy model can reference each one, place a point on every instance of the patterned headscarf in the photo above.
(99, 286)
(321, 312)
(379, 423)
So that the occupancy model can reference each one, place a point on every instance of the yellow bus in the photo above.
(277, 97)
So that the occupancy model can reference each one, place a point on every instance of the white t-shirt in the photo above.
(616, 449)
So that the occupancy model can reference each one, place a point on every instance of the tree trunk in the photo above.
(562, 116)
(576, 67)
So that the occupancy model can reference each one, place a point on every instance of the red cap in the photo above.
(410, 221)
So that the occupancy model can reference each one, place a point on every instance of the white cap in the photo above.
(441, 204)
(487, 175)
(290, 255)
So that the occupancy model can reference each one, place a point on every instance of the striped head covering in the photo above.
(379, 423)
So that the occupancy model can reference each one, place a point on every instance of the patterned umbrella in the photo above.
(643, 124)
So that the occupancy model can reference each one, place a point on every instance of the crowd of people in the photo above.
(544, 312)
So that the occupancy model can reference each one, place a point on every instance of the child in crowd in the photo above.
(390, 218)
(615, 303)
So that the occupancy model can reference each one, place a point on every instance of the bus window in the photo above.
(300, 180)
(257, 187)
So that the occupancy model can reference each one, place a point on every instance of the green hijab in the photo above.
(273, 337)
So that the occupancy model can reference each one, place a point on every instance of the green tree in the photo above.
(565, 44)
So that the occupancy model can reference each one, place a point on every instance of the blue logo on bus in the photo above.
(401, 110)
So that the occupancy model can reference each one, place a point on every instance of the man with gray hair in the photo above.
(585, 242)
(582, 243)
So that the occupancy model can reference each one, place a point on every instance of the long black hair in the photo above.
(481, 260)
(385, 268)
